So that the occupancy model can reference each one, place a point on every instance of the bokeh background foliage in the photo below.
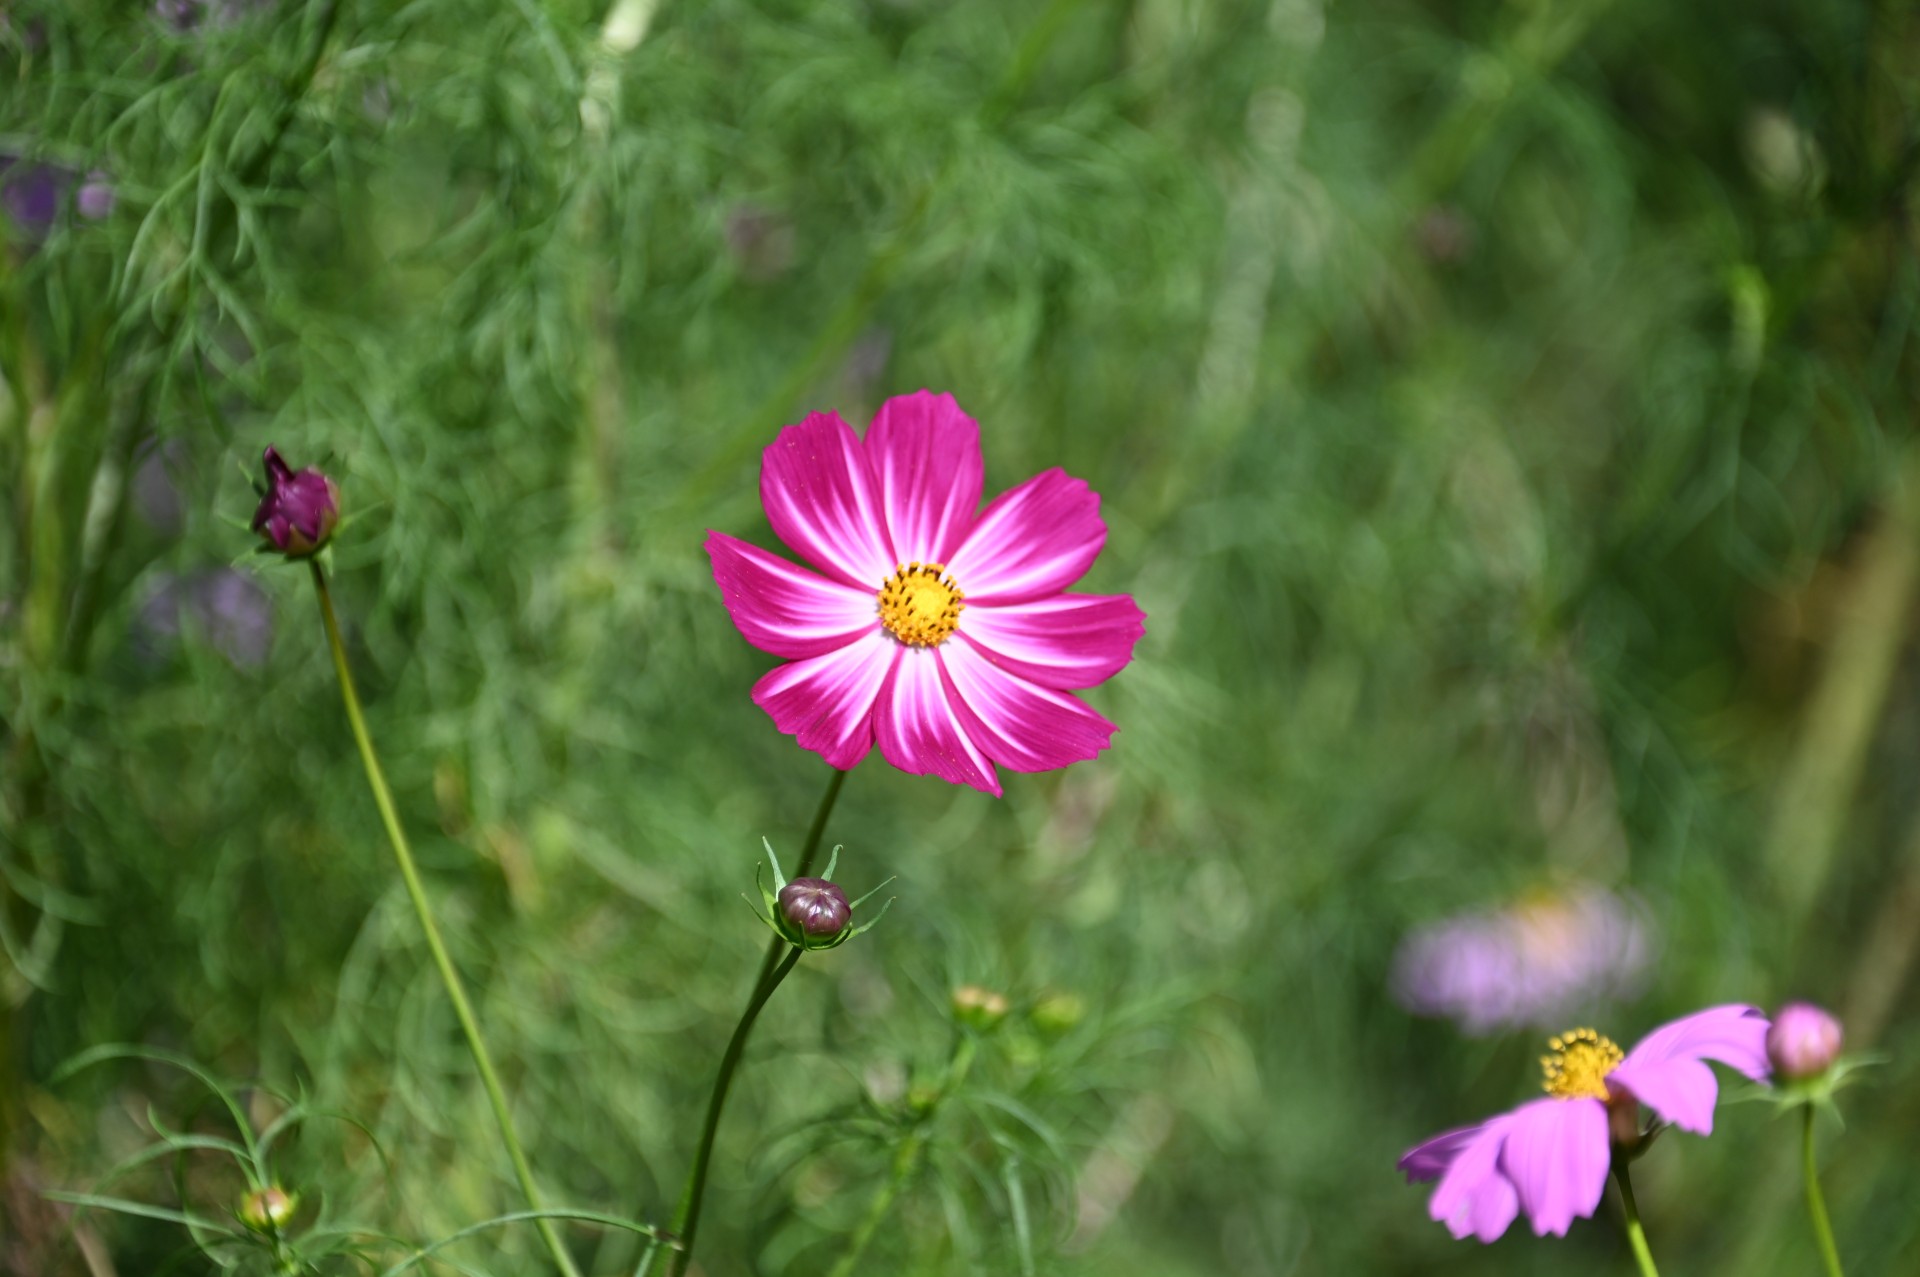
(1503, 412)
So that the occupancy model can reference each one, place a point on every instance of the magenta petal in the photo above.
(1020, 725)
(1069, 640)
(1680, 1091)
(820, 498)
(826, 703)
(918, 728)
(1665, 1070)
(1430, 1158)
(925, 457)
(783, 608)
(1733, 1034)
(1032, 541)
(1473, 1197)
(1557, 1156)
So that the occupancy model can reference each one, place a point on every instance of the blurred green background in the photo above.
(1502, 411)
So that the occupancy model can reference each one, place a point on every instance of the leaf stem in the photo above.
(1636, 1236)
(456, 992)
(1816, 1203)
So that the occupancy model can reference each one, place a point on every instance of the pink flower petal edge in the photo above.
(1549, 1157)
(784, 609)
(925, 455)
(990, 689)
(821, 498)
(1666, 1069)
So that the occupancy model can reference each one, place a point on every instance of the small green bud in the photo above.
(267, 1210)
(1058, 1013)
(978, 1008)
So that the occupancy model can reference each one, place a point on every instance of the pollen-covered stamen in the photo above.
(919, 606)
(1579, 1065)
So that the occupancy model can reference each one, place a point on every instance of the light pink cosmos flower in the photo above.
(1550, 1157)
(939, 630)
(1530, 964)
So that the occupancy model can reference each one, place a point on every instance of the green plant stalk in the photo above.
(687, 1222)
(772, 971)
(456, 992)
(1636, 1236)
(1816, 1203)
(906, 1159)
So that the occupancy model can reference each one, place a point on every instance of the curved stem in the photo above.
(1817, 1204)
(456, 992)
(811, 849)
(689, 1222)
(1636, 1236)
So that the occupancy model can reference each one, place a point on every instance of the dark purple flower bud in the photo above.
(817, 908)
(1803, 1041)
(300, 509)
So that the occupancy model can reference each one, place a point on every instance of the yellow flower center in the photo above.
(919, 606)
(1579, 1065)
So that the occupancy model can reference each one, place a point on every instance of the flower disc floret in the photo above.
(1579, 1064)
(919, 606)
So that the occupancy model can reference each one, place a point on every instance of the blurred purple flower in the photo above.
(1530, 964)
(1550, 1157)
(96, 199)
(34, 192)
(222, 604)
(186, 15)
(761, 242)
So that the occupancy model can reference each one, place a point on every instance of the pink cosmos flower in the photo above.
(939, 630)
(1550, 1157)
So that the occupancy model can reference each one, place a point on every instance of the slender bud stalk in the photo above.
(417, 892)
(780, 959)
(1630, 1211)
(1816, 1203)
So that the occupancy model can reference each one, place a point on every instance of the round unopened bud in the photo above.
(265, 1209)
(1803, 1041)
(1058, 1013)
(816, 908)
(977, 1008)
(300, 509)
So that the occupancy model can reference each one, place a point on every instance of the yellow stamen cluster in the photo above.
(919, 606)
(1579, 1065)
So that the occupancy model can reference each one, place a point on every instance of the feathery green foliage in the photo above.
(1503, 413)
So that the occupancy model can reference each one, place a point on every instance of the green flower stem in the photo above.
(1817, 1204)
(906, 1159)
(1636, 1236)
(456, 992)
(688, 1221)
(772, 971)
